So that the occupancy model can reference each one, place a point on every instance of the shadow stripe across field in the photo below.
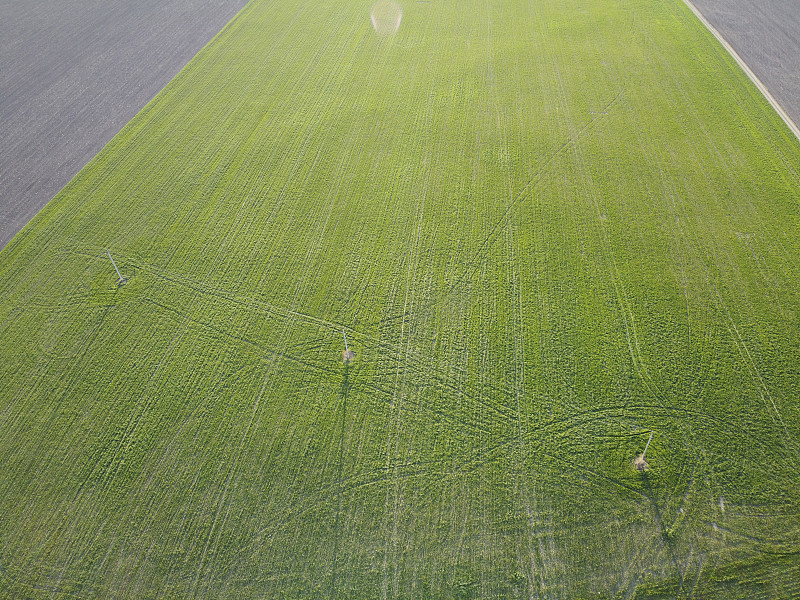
(73, 73)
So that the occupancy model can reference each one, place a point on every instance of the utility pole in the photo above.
(121, 278)
(647, 445)
(348, 354)
(639, 462)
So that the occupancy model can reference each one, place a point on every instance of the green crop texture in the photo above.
(548, 228)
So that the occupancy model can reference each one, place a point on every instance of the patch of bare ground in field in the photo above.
(73, 74)
(764, 34)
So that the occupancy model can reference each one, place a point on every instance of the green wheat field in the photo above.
(549, 228)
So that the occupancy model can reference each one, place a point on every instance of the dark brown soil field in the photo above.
(73, 73)
(766, 34)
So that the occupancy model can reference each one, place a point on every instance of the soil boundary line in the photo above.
(786, 118)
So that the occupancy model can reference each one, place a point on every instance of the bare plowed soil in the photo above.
(73, 73)
(766, 34)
